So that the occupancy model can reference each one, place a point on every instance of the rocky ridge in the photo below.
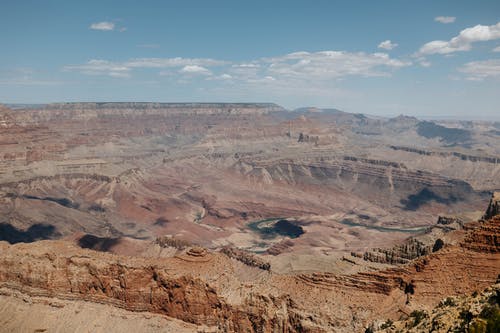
(464, 157)
(115, 177)
(199, 287)
(57, 269)
(494, 206)
(478, 312)
(431, 240)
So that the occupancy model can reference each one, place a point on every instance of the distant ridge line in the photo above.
(158, 105)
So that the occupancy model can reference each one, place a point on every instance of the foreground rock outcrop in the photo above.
(58, 269)
(494, 206)
(479, 312)
(211, 289)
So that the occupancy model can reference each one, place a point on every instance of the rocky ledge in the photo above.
(494, 206)
(209, 288)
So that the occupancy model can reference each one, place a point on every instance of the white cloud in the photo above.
(422, 61)
(445, 19)
(463, 41)
(327, 65)
(425, 63)
(119, 74)
(24, 76)
(245, 71)
(496, 49)
(123, 69)
(222, 77)
(103, 26)
(165, 73)
(300, 67)
(29, 82)
(387, 45)
(171, 62)
(479, 70)
(195, 69)
(246, 65)
(100, 67)
(443, 47)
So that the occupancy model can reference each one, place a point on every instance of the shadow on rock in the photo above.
(415, 201)
(102, 244)
(34, 233)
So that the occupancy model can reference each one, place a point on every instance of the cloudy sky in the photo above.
(423, 58)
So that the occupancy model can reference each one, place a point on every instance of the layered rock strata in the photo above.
(199, 287)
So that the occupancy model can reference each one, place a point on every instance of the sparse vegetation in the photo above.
(438, 245)
(447, 302)
(388, 324)
(198, 217)
(491, 324)
(409, 288)
(477, 313)
(306, 138)
(418, 316)
(466, 317)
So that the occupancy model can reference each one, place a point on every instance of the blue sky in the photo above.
(423, 58)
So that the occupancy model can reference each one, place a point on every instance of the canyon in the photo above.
(220, 217)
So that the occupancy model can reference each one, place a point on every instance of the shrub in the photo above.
(388, 324)
(448, 302)
(477, 327)
(438, 245)
(491, 313)
(369, 329)
(198, 217)
(466, 317)
(418, 316)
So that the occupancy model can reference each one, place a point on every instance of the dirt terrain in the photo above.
(205, 172)
(225, 293)
(240, 217)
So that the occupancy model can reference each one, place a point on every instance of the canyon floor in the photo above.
(239, 217)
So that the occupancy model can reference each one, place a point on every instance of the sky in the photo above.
(421, 58)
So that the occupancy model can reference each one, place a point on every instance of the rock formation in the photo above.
(246, 258)
(172, 209)
(493, 207)
(478, 312)
(199, 290)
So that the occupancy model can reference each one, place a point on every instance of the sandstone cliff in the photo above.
(57, 269)
(478, 312)
(200, 287)
(494, 206)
